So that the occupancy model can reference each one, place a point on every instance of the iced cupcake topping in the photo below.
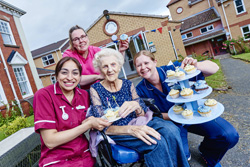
(187, 112)
(124, 37)
(186, 91)
(210, 102)
(200, 84)
(173, 92)
(189, 67)
(177, 107)
(170, 73)
(204, 109)
(179, 73)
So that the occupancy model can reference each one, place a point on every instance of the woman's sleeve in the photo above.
(96, 109)
(135, 97)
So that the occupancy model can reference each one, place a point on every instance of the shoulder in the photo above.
(68, 53)
(94, 49)
(47, 91)
(82, 91)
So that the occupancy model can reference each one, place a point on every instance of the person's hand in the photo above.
(97, 123)
(144, 132)
(123, 46)
(100, 77)
(189, 60)
(128, 107)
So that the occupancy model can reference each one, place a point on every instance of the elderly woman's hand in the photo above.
(96, 123)
(128, 107)
(189, 60)
(144, 132)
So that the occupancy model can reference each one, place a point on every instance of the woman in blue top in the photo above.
(158, 140)
(219, 135)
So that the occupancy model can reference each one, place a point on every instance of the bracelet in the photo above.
(140, 112)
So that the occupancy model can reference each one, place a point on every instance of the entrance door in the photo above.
(217, 45)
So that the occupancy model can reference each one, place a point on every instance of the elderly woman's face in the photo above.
(110, 68)
(69, 76)
(80, 41)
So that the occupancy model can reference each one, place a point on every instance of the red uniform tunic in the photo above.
(48, 115)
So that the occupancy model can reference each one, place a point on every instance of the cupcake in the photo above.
(111, 115)
(170, 74)
(177, 109)
(174, 93)
(189, 69)
(211, 103)
(188, 114)
(187, 93)
(200, 86)
(204, 111)
(179, 74)
(123, 37)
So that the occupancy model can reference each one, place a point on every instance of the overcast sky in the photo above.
(48, 21)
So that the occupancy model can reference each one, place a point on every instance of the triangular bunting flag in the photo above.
(160, 29)
(153, 30)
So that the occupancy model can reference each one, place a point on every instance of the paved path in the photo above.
(237, 111)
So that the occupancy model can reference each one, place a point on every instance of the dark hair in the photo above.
(146, 53)
(76, 27)
(64, 60)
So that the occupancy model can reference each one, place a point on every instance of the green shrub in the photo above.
(14, 126)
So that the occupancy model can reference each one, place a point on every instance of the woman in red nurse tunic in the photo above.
(60, 119)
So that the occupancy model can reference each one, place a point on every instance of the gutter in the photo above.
(11, 83)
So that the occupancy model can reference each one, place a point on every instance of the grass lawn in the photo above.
(218, 79)
(243, 56)
(30, 120)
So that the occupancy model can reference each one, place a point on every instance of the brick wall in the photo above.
(6, 52)
(187, 10)
(133, 24)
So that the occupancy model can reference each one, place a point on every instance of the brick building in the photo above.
(45, 59)
(152, 32)
(208, 23)
(18, 79)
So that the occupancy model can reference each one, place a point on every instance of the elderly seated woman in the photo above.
(157, 139)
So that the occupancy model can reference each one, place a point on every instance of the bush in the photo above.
(14, 126)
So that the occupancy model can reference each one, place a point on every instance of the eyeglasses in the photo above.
(77, 39)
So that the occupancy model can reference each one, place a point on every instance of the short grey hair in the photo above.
(105, 53)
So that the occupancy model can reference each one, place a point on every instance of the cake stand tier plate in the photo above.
(197, 118)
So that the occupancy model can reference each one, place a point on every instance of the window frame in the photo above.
(186, 35)
(243, 5)
(10, 34)
(52, 76)
(44, 65)
(27, 81)
(2, 95)
(243, 34)
(207, 28)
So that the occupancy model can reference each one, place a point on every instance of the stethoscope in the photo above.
(65, 116)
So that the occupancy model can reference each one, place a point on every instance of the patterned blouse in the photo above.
(99, 100)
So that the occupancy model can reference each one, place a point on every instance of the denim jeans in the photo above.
(219, 137)
(167, 152)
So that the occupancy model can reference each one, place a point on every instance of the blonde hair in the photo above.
(145, 53)
(106, 53)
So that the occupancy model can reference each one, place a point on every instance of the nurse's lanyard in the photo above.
(65, 116)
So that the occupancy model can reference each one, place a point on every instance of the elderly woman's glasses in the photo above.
(77, 39)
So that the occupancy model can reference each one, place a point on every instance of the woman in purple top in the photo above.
(81, 50)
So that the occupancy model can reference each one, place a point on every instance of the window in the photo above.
(239, 6)
(22, 81)
(3, 99)
(53, 79)
(246, 32)
(206, 29)
(187, 35)
(48, 60)
(6, 33)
